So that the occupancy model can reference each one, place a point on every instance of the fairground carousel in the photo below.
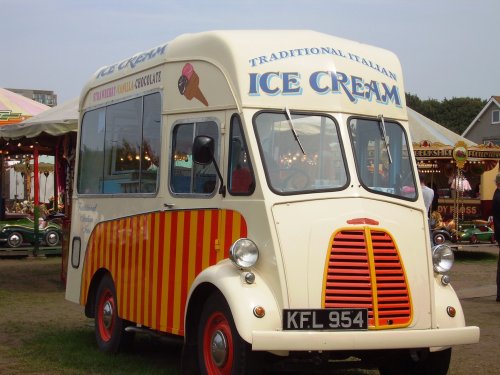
(456, 169)
(46, 188)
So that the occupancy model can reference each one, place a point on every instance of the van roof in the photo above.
(297, 68)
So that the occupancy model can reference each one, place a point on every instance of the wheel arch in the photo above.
(91, 293)
(445, 296)
(226, 279)
(196, 301)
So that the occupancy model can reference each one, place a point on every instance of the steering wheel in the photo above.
(295, 179)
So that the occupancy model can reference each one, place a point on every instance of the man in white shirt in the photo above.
(427, 193)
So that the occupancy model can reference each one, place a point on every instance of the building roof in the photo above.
(494, 100)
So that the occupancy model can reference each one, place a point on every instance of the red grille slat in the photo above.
(348, 257)
(389, 279)
(343, 284)
(355, 294)
(365, 301)
(364, 278)
(387, 292)
(349, 282)
(393, 312)
(389, 272)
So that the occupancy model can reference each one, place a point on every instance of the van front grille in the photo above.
(364, 270)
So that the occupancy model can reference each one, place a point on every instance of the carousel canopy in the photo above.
(55, 121)
(423, 129)
(42, 130)
(15, 108)
(435, 143)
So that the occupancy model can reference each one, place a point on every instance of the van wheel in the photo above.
(109, 327)
(221, 350)
(420, 363)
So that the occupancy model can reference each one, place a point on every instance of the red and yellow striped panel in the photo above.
(154, 258)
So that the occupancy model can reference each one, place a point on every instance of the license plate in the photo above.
(325, 319)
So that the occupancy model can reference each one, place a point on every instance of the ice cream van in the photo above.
(255, 194)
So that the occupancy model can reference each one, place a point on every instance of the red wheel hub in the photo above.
(218, 344)
(106, 315)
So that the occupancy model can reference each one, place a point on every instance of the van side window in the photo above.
(241, 179)
(120, 147)
(186, 176)
(91, 162)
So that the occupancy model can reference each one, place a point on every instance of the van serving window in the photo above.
(120, 147)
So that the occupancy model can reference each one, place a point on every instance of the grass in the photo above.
(73, 351)
(42, 333)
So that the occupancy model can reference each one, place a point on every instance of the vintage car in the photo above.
(16, 232)
(477, 233)
(441, 235)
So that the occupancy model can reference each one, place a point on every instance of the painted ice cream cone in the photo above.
(193, 89)
(189, 84)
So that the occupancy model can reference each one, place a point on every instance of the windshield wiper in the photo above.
(292, 128)
(381, 126)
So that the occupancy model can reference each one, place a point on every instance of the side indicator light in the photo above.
(451, 311)
(259, 311)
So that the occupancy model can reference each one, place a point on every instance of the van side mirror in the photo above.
(203, 150)
(203, 153)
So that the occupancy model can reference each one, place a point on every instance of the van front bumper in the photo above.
(363, 340)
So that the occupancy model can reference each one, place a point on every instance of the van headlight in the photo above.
(244, 253)
(442, 258)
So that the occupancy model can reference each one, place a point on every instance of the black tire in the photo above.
(422, 363)
(221, 350)
(15, 239)
(473, 239)
(109, 327)
(52, 238)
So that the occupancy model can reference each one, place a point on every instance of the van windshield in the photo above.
(302, 153)
(382, 157)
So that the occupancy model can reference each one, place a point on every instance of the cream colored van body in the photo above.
(334, 211)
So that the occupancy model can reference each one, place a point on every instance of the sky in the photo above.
(447, 48)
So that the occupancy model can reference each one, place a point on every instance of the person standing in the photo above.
(496, 225)
(427, 193)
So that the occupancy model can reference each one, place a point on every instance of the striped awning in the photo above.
(15, 108)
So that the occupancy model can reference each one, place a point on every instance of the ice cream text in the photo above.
(324, 82)
(132, 62)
